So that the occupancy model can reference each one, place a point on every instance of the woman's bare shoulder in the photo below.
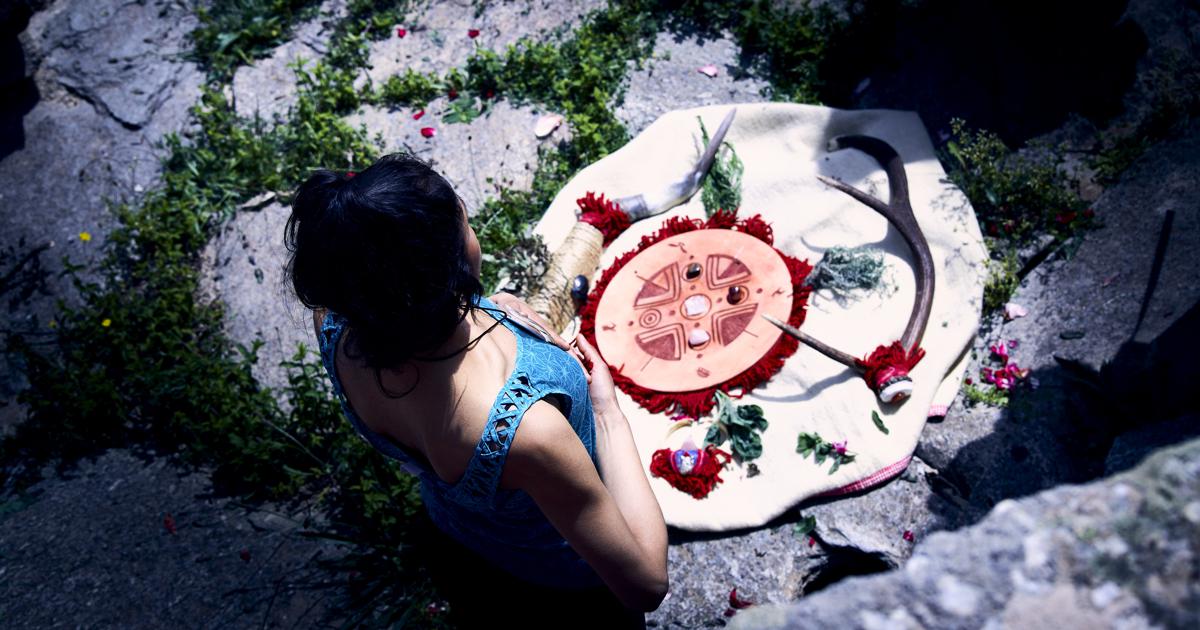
(544, 449)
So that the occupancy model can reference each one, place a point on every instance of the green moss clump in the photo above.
(236, 32)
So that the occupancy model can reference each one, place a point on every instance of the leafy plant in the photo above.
(879, 423)
(462, 110)
(411, 88)
(236, 32)
(812, 444)
(723, 185)
(805, 526)
(741, 425)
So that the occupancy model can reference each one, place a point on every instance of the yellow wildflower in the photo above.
(106, 323)
(85, 236)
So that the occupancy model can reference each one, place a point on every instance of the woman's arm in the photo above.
(614, 524)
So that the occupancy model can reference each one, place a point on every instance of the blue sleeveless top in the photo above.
(504, 526)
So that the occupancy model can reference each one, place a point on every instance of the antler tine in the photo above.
(898, 211)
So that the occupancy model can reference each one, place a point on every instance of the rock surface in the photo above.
(111, 82)
(437, 39)
(1059, 433)
(93, 550)
(268, 86)
(671, 80)
(243, 266)
(1120, 553)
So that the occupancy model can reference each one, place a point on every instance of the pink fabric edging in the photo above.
(871, 480)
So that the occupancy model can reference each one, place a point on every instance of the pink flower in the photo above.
(812, 541)
(1012, 343)
(401, 32)
(969, 381)
(986, 373)
(1000, 351)
(473, 33)
(428, 132)
(1003, 381)
(1015, 371)
(840, 447)
(908, 535)
(419, 114)
(350, 174)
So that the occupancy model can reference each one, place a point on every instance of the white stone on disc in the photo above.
(697, 338)
(696, 306)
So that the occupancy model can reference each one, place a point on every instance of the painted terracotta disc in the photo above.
(685, 313)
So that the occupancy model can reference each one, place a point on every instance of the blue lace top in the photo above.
(504, 526)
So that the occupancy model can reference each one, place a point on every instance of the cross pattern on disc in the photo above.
(684, 314)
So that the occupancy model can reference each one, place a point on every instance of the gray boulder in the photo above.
(1120, 553)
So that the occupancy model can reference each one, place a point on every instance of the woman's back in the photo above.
(454, 429)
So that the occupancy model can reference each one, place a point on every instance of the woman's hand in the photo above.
(600, 382)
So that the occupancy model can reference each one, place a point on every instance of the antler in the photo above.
(657, 202)
(886, 370)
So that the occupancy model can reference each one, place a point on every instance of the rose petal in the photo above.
(1013, 343)
(428, 132)
(419, 114)
(908, 535)
(811, 541)
(1012, 311)
(473, 33)
(737, 602)
(401, 32)
(546, 125)
(453, 93)
(709, 70)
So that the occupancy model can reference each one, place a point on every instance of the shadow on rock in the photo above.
(1014, 67)
(1081, 424)
(20, 92)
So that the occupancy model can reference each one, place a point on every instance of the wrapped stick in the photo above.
(579, 255)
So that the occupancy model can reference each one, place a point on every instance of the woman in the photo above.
(527, 466)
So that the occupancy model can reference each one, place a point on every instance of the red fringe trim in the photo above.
(604, 215)
(889, 361)
(701, 480)
(697, 403)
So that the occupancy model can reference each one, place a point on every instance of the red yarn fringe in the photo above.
(889, 361)
(699, 402)
(604, 215)
(701, 480)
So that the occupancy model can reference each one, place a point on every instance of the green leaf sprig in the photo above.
(812, 444)
(879, 423)
(741, 425)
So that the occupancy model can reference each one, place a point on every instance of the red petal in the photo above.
(169, 523)
(244, 554)
(737, 602)
(453, 93)
(350, 174)
(473, 33)
(908, 535)
(811, 541)
(418, 115)
(428, 132)
(400, 32)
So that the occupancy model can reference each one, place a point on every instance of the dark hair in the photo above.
(385, 249)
